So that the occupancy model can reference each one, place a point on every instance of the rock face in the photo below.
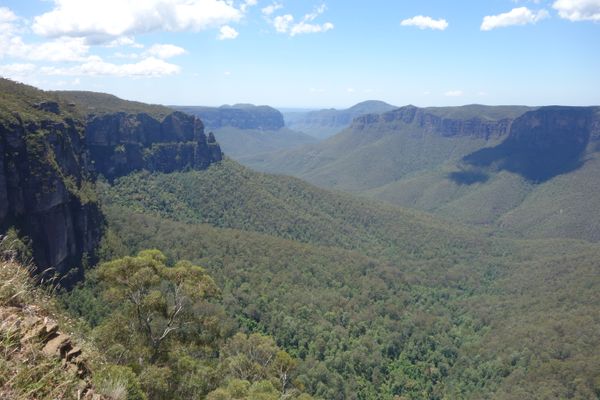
(50, 156)
(431, 123)
(542, 143)
(44, 172)
(241, 116)
(121, 143)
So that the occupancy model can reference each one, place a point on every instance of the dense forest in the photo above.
(205, 279)
(373, 302)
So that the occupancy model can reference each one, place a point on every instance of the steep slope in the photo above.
(376, 301)
(51, 150)
(38, 359)
(538, 182)
(231, 196)
(325, 123)
(45, 179)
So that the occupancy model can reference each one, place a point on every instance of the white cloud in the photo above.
(61, 49)
(131, 56)
(270, 9)
(303, 27)
(282, 22)
(317, 11)
(227, 32)
(423, 22)
(454, 93)
(56, 50)
(285, 23)
(247, 4)
(11, 70)
(103, 21)
(516, 16)
(164, 51)
(7, 20)
(70, 56)
(19, 72)
(578, 10)
(350, 90)
(149, 67)
(124, 41)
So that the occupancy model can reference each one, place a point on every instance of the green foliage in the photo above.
(164, 329)
(103, 103)
(243, 143)
(231, 196)
(372, 301)
(118, 382)
(15, 247)
(162, 301)
(19, 103)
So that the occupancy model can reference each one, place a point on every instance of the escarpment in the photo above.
(45, 192)
(121, 143)
(51, 154)
(431, 123)
(543, 143)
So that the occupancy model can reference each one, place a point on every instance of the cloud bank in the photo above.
(102, 21)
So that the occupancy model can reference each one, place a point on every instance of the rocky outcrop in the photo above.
(44, 192)
(431, 123)
(121, 143)
(32, 333)
(241, 116)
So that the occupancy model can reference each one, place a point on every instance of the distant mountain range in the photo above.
(241, 116)
(525, 170)
(325, 123)
(246, 130)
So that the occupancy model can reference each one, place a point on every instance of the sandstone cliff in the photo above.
(431, 123)
(45, 191)
(120, 143)
(51, 152)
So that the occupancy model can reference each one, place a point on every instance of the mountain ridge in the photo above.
(326, 122)
(474, 170)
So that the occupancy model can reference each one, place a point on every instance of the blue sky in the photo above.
(331, 53)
